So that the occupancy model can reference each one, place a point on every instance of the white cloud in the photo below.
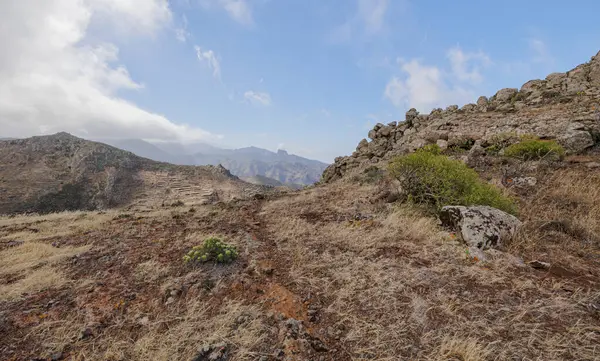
(239, 10)
(368, 20)
(181, 33)
(53, 79)
(540, 52)
(372, 14)
(258, 98)
(425, 87)
(467, 66)
(209, 57)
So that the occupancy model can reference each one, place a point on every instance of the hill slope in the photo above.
(63, 172)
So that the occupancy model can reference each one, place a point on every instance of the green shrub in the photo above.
(431, 148)
(535, 149)
(500, 141)
(436, 180)
(213, 249)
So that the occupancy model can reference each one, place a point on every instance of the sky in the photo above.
(311, 77)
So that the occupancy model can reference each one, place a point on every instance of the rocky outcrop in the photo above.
(564, 107)
(480, 227)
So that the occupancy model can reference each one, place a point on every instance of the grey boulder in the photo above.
(482, 227)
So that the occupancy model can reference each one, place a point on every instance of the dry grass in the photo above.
(456, 349)
(33, 282)
(396, 288)
(33, 254)
(40, 227)
(33, 263)
(150, 271)
(175, 335)
(563, 215)
(235, 324)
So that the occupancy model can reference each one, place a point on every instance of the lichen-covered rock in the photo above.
(482, 101)
(504, 95)
(575, 141)
(482, 227)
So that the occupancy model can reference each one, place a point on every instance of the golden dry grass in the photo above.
(33, 262)
(398, 286)
(41, 227)
(34, 281)
(33, 254)
(177, 335)
(562, 216)
(456, 349)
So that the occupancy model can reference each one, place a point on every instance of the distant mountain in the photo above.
(149, 150)
(244, 162)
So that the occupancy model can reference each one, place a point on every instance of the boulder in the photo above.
(482, 227)
(385, 131)
(594, 75)
(411, 114)
(555, 80)
(372, 134)
(504, 95)
(575, 141)
(443, 144)
(482, 101)
(363, 144)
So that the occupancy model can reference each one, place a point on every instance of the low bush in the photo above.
(213, 249)
(437, 181)
(535, 149)
(500, 141)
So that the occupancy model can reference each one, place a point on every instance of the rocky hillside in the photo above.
(564, 107)
(62, 172)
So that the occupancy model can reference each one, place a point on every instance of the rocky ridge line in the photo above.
(564, 107)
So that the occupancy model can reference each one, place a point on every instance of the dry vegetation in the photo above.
(366, 279)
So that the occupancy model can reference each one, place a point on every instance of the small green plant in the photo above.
(437, 181)
(535, 149)
(213, 249)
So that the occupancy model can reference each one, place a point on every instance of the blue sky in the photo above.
(313, 76)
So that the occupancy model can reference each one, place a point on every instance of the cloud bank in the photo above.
(52, 79)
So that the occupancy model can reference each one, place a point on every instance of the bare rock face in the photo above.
(561, 107)
(481, 227)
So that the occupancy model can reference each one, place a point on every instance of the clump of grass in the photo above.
(437, 181)
(530, 148)
(213, 249)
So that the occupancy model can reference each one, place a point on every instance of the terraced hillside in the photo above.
(62, 172)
